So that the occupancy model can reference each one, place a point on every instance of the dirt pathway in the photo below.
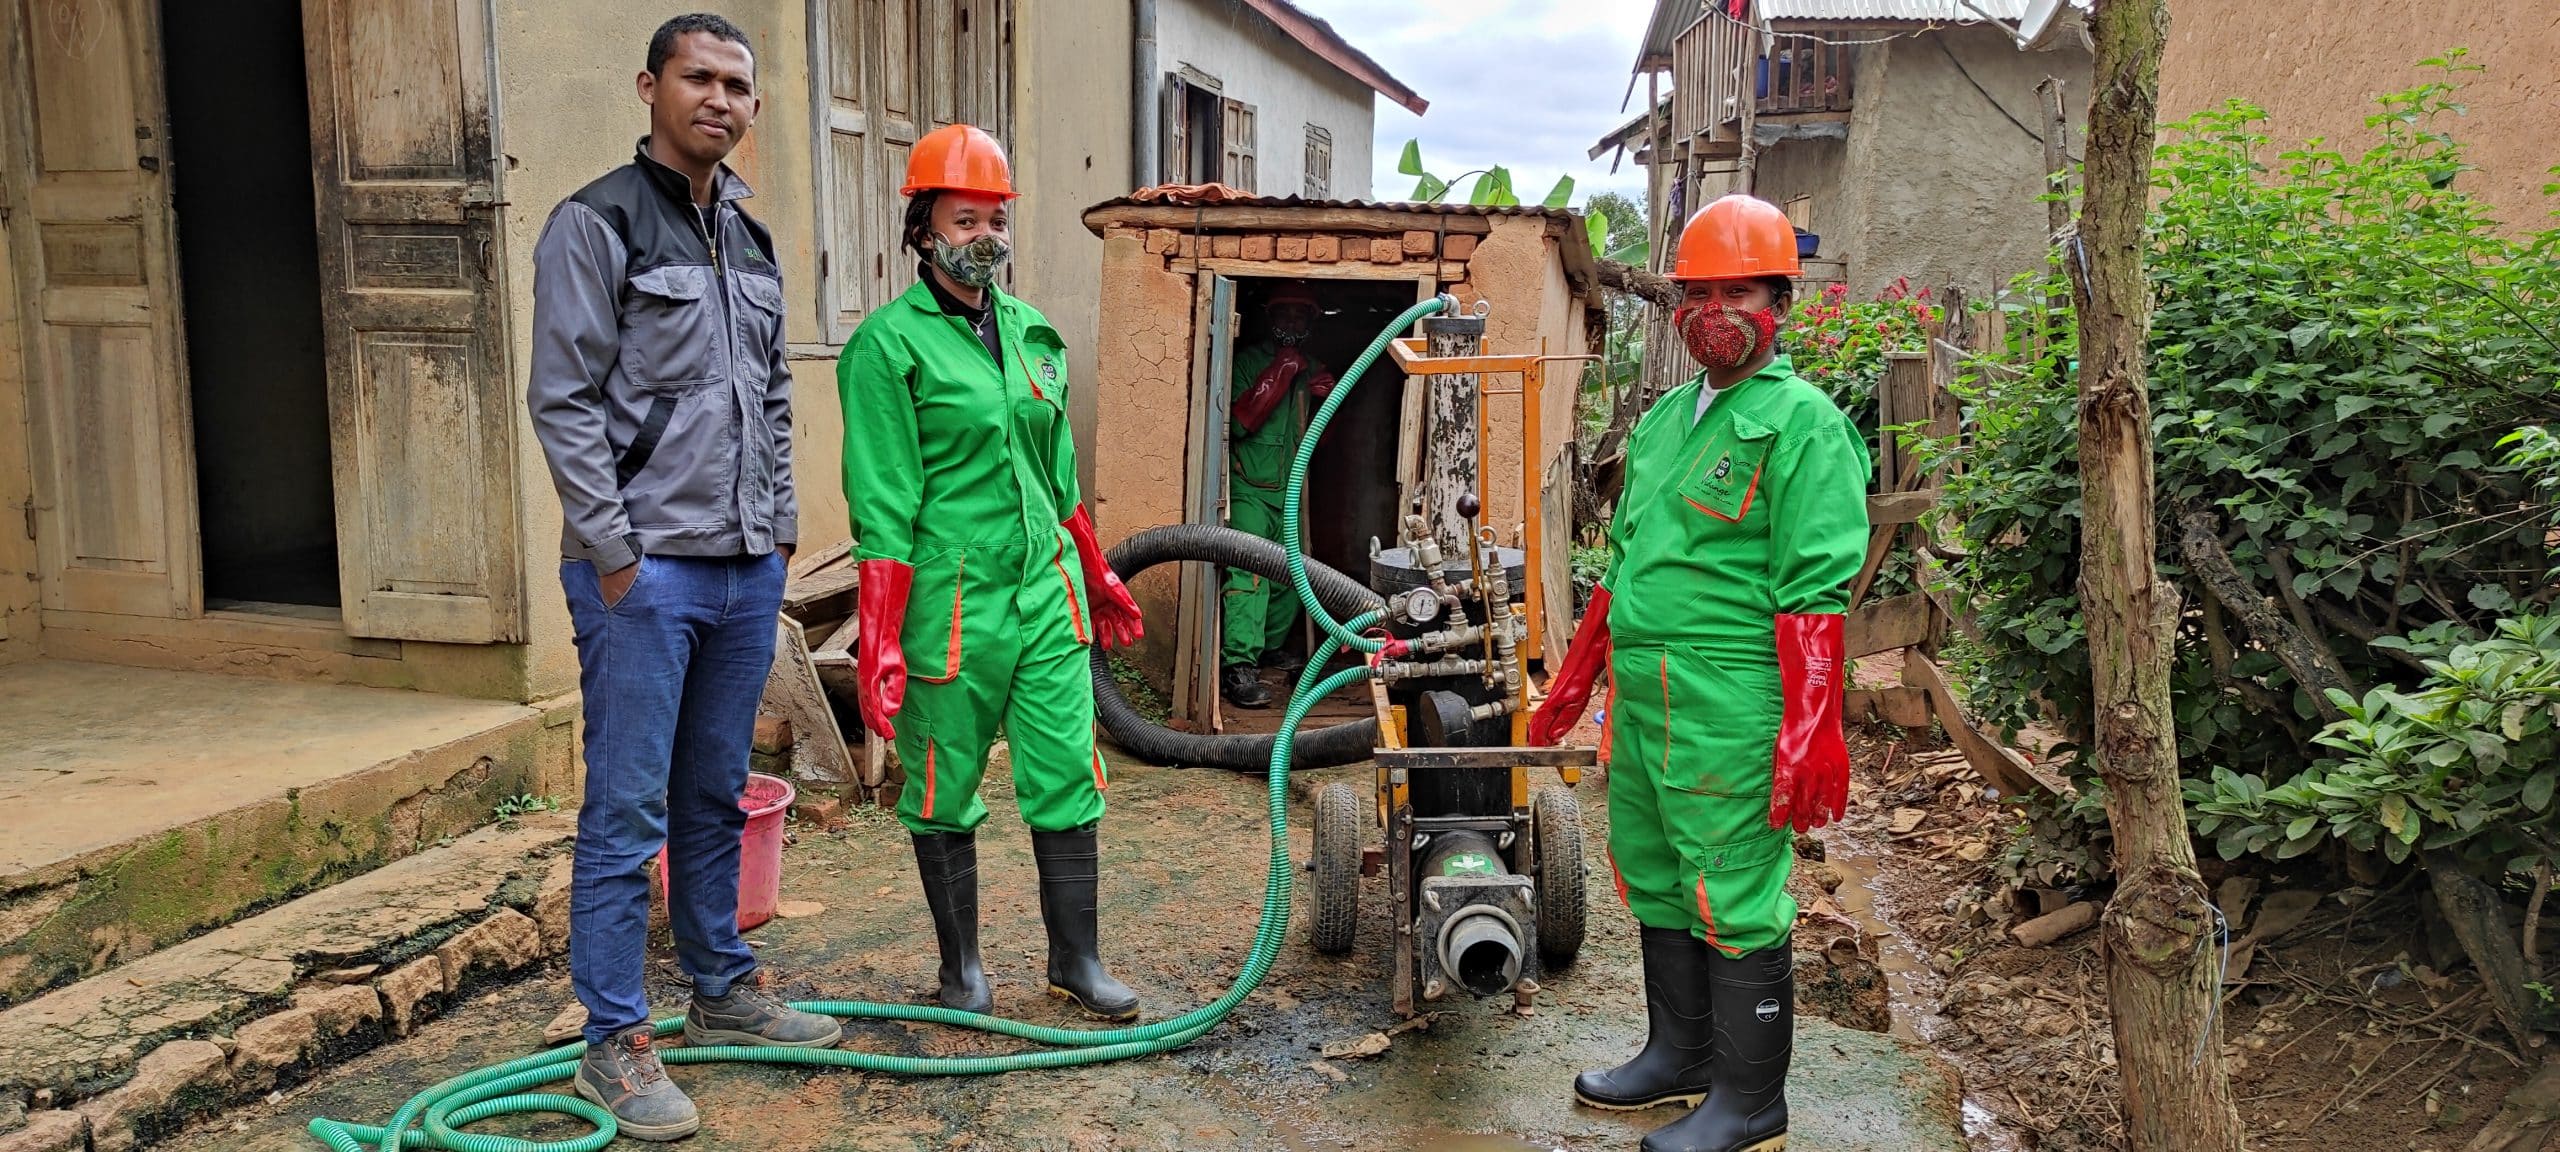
(1184, 851)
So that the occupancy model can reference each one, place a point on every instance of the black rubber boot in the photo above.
(1242, 687)
(1070, 877)
(948, 863)
(1679, 1035)
(1754, 998)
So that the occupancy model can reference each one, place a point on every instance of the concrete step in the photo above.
(139, 807)
(230, 1013)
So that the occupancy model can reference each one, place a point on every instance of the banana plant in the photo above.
(1492, 187)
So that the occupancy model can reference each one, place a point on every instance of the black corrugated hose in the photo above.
(1346, 743)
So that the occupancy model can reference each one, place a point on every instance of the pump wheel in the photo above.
(1337, 889)
(1557, 818)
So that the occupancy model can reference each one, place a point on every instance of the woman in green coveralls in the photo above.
(982, 582)
(1721, 623)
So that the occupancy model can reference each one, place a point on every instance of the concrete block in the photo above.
(262, 1048)
(1290, 248)
(1229, 247)
(1324, 249)
(551, 906)
(341, 1010)
(773, 734)
(1386, 250)
(411, 992)
(1258, 247)
(177, 1077)
(504, 942)
(1459, 246)
(50, 1131)
(1163, 241)
(1419, 243)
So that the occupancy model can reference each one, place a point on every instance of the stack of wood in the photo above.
(812, 684)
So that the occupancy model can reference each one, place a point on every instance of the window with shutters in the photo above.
(1193, 149)
(1318, 183)
(891, 71)
(1236, 171)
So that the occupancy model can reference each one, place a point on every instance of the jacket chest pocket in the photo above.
(760, 322)
(671, 333)
(1724, 480)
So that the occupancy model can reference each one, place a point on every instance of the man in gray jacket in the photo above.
(662, 399)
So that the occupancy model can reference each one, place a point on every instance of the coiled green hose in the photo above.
(434, 1118)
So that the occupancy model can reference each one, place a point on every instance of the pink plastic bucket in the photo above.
(759, 850)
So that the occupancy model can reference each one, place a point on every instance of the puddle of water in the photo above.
(1477, 1144)
(1903, 967)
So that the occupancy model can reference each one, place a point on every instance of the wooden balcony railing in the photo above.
(1803, 71)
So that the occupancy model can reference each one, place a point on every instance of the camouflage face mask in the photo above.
(974, 263)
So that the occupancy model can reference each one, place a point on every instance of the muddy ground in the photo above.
(1184, 853)
(2348, 1024)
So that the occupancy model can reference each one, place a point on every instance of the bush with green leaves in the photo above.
(1839, 344)
(2338, 348)
(2466, 763)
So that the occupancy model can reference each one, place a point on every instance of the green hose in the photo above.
(434, 1118)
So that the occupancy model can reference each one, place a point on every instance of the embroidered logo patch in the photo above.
(1724, 467)
(1049, 371)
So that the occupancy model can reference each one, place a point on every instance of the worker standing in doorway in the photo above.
(982, 582)
(662, 400)
(1275, 380)
(1721, 622)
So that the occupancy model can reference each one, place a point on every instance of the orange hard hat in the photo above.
(959, 158)
(1736, 238)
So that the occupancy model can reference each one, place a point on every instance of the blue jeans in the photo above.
(671, 675)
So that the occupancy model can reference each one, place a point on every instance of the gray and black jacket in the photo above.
(659, 389)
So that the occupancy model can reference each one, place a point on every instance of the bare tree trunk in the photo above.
(2158, 931)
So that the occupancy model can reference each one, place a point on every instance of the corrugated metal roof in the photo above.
(1671, 16)
(1916, 11)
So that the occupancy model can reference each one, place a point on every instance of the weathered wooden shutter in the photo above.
(1173, 163)
(895, 69)
(1238, 140)
(422, 413)
(1317, 182)
(115, 476)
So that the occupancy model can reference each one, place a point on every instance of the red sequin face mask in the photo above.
(1723, 337)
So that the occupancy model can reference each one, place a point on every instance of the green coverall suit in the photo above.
(1258, 613)
(963, 471)
(1757, 509)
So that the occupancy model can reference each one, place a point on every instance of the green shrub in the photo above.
(2465, 763)
(2338, 348)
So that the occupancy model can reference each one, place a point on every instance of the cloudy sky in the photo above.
(1527, 84)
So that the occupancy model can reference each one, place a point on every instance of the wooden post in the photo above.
(1449, 464)
(2057, 166)
(2159, 929)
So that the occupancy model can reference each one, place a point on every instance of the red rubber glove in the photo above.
(1116, 622)
(1810, 785)
(1255, 407)
(1320, 385)
(879, 663)
(1569, 691)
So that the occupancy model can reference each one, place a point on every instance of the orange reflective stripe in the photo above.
(951, 655)
(1739, 513)
(928, 779)
(1101, 780)
(1621, 879)
(1708, 915)
(1666, 717)
(1075, 610)
(1608, 726)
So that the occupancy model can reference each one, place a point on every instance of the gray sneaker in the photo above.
(749, 1015)
(625, 1077)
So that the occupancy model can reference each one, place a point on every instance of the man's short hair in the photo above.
(662, 43)
(1780, 287)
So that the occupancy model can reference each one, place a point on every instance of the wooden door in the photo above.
(421, 415)
(1204, 501)
(895, 70)
(114, 462)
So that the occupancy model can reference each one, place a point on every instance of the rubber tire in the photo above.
(1557, 823)
(1335, 904)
